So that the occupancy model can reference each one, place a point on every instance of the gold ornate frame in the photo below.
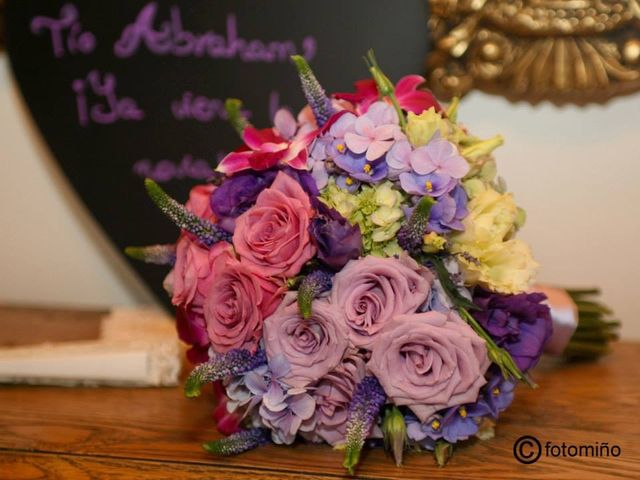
(576, 51)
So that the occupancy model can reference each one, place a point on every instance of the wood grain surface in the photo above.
(105, 433)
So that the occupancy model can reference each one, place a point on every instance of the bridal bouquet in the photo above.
(352, 275)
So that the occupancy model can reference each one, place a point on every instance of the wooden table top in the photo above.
(69, 433)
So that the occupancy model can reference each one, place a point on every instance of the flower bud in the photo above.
(394, 430)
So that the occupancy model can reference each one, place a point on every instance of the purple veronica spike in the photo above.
(156, 254)
(411, 233)
(239, 442)
(232, 363)
(313, 91)
(311, 287)
(363, 413)
(207, 232)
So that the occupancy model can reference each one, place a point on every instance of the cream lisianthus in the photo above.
(486, 252)
(421, 128)
(492, 217)
(504, 267)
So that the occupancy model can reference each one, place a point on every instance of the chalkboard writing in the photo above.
(123, 90)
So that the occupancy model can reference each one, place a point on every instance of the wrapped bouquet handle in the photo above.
(582, 327)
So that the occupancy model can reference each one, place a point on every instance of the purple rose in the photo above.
(313, 347)
(332, 394)
(520, 323)
(371, 291)
(335, 238)
(238, 193)
(429, 361)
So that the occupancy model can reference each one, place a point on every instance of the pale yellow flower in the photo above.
(505, 267)
(420, 128)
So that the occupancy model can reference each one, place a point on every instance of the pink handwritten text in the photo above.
(67, 35)
(200, 108)
(166, 170)
(170, 38)
(97, 102)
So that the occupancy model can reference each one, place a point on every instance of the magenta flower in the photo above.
(409, 96)
(374, 132)
(269, 147)
(436, 169)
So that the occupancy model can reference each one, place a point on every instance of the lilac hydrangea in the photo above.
(449, 211)
(433, 169)
(285, 411)
(358, 145)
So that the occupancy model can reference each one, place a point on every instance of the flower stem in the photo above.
(498, 355)
(385, 86)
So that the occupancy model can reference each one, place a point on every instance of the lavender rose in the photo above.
(313, 347)
(429, 361)
(332, 394)
(373, 290)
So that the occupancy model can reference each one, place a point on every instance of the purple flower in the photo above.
(436, 169)
(521, 323)
(462, 421)
(347, 183)
(358, 167)
(221, 366)
(312, 286)
(335, 238)
(237, 194)
(453, 424)
(363, 412)
(447, 213)
(497, 395)
(239, 442)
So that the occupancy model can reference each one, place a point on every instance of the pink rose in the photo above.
(192, 272)
(272, 237)
(429, 361)
(200, 201)
(236, 304)
(373, 290)
(312, 347)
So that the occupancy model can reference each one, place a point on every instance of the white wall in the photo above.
(576, 171)
(51, 250)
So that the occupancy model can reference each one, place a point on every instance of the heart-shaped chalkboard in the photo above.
(129, 89)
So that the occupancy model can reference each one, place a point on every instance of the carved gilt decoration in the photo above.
(577, 51)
